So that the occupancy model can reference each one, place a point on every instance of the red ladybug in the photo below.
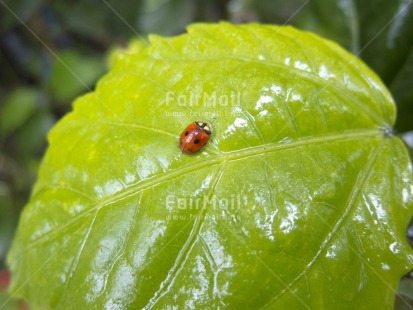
(194, 137)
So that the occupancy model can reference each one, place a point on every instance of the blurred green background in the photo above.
(53, 51)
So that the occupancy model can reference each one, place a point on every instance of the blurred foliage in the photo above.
(53, 51)
(404, 299)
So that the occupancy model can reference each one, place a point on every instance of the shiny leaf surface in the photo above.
(300, 200)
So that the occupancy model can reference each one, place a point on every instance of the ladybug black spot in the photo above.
(196, 141)
(186, 133)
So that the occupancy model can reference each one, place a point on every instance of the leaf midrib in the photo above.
(359, 184)
(222, 157)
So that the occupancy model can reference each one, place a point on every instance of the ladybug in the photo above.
(194, 137)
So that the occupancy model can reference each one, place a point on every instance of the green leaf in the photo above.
(300, 200)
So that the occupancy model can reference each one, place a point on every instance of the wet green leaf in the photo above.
(300, 200)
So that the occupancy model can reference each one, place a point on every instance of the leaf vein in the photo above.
(359, 184)
(189, 244)
(324, 84)
(77, 258)
(242, 154)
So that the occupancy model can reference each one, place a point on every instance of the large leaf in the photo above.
(300, 200)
